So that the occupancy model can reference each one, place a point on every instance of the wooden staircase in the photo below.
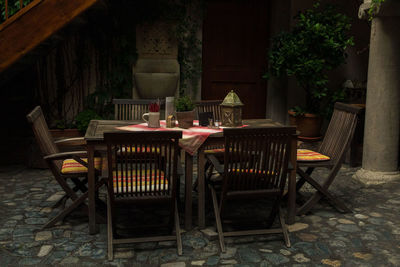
(28, 30)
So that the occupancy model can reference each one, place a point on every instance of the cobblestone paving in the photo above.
(370, 236)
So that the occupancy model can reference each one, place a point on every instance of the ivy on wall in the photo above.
(13, 7)
(375, 4)
(102, 55)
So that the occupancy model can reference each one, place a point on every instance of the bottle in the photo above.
(169, 106)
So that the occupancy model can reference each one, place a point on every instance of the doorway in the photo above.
(235, 40)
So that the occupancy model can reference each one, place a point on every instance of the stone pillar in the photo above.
(382, 118)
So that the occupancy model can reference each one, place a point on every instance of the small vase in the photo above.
(152, 119)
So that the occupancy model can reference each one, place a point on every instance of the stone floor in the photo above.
(370, 236)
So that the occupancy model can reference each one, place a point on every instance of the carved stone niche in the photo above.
(157, 72)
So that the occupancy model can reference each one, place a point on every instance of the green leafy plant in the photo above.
(99, 55)
(375, 4)
(13, 7)
(314, 46)
(84, 117)
(183, 104)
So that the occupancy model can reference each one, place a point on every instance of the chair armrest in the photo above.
(215, 162)
(75, 141)
(66, 155)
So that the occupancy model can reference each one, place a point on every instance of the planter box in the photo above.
(65, 133)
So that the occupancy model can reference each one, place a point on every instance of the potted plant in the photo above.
(84, 117)
(184, 107)
(315, 45)
(61, 129)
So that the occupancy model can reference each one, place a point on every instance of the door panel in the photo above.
(235, 39)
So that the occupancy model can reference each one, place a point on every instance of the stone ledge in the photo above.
(389, 8)
(367, 177)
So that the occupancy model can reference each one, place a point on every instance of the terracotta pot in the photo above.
(185, 119)
(309, 125)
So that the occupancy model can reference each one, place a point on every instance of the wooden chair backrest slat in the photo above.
(210, 106)
(256, 158)
(144, 162)
(42, 134)
(132, 109)
(340, 131)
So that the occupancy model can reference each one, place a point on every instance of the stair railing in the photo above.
(9, 16)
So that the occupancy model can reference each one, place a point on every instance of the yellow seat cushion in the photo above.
(251, 171)
(71, 166)
(139, 181)
(309, 155)
(140, 149)
(214, 151)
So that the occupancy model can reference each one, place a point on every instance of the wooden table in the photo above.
(217, 139)
(94, 138)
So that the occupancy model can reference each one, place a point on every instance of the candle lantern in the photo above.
(231, 109)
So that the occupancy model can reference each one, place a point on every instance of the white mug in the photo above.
(152, 119)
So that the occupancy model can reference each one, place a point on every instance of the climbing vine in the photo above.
(189, 48)
(13, 7)
(375, 4)
(104, 50)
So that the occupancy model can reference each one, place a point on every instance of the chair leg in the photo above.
(61, 202)
(274, 211)
(217, 218)
(76, 202)
(339, 205)
(322, 191)
(79, 184)
(208, 168)
(178, 230)
(109, 230)
(66, 211)
(309, 204)
(284, 229)
(302, 181)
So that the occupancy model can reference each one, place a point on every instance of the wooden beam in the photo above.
(35, 26)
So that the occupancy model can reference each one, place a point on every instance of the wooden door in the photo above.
(235, 39)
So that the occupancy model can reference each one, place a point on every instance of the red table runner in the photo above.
(192, 138)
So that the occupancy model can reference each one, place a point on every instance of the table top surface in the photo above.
(97, 128)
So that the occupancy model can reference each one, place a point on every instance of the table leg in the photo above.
(188, 190)
(91, 191)
(201, 187)
(291, 212)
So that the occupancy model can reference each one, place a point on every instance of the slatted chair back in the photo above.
(210, 106)
(132, 109)
(256, 160)
(150, 174)
(43, 135)
(340, 131)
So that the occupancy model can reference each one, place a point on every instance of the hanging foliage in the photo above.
(95, 64)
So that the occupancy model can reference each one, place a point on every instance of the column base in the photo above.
(374, 177)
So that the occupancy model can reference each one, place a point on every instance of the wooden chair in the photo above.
(214, 107)
(147, 177)
(63, 165)
(132, 109)
(334, 145)
(210, 106)
(256, 165)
